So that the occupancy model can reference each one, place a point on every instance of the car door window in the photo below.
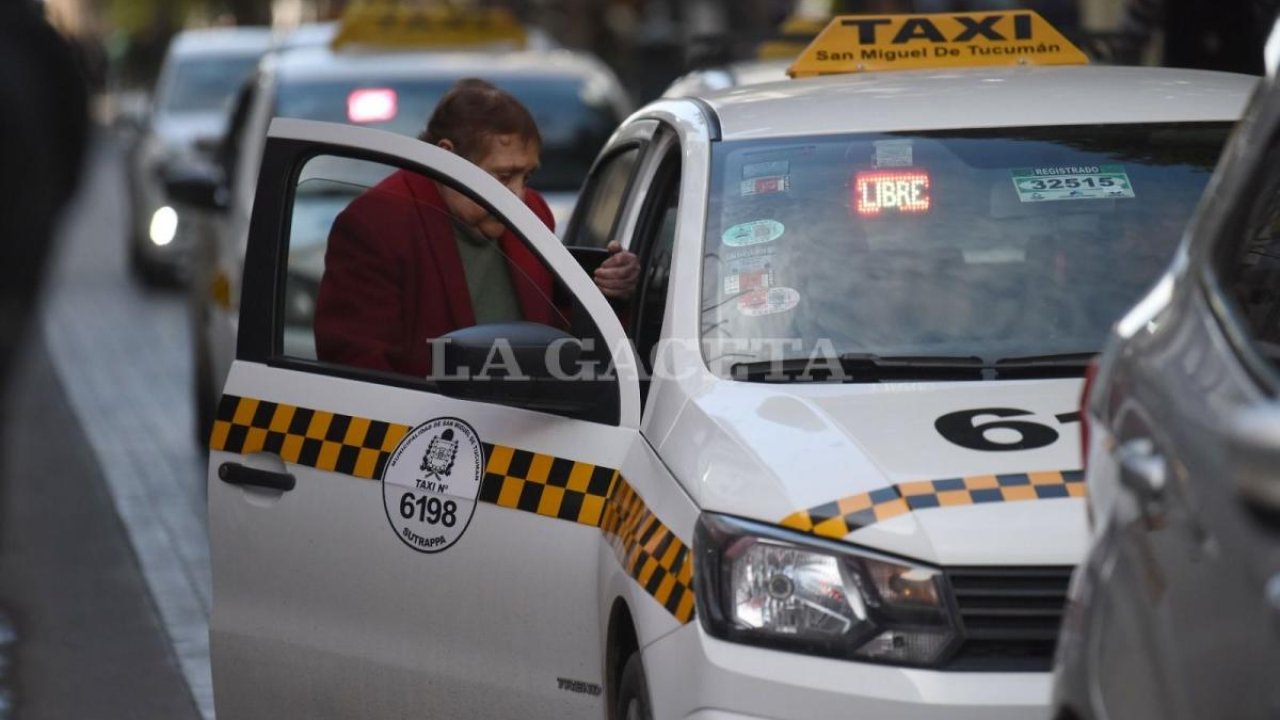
(603, 203)
(384, 264)
(655, 240)
(1250, 266)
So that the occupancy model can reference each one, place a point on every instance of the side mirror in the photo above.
(1255, 455)
(194, 186)
(516, 363)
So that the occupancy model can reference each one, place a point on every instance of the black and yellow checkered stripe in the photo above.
(315, 438)
(597, 496)
(546, 485)
(650, 552)
(838, 519)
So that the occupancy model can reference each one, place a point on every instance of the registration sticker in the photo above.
(763, 169)
(756, 232)
(749, 272)
(770, 301)
(766, 185)
(748, 281)
(893, 153)
(431, 482)
(1072, 182)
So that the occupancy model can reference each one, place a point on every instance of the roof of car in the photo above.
(320, 62)
(721, 77)
(230, 40)
(920, 100)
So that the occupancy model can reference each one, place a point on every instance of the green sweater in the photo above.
(493, 297)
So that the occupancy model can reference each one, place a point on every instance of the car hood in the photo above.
(905, 467)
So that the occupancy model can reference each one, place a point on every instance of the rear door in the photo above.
(386, 545)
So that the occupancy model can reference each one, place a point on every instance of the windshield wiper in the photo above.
(1044, 366)
(871, 368)
(860, 367)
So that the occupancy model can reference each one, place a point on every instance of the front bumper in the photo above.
(693, 675)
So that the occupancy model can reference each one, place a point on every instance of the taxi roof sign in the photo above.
(401, 25)
(860, 43)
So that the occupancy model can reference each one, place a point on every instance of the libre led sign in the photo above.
(906, 191)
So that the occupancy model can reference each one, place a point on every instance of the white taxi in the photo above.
(825, 462)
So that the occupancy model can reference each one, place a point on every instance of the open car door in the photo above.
(390, 545)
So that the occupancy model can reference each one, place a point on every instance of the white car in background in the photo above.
(575, 99)
(201, 73)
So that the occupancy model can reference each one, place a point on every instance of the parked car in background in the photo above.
(324, 73)
(198, 81)
(1176, 613)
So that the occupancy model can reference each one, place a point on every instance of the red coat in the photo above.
(393, 278)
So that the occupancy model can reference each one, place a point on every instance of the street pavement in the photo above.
(104, 558)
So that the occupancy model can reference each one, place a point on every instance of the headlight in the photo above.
(761, 585)
(164, 226)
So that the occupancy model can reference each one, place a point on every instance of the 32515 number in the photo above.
(1072, 183)
(430, 510)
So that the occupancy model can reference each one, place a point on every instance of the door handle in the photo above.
(237, 474)
(1142, 469)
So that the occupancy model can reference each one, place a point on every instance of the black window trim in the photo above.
(260, 335)
(664, 178)
(1223, 245)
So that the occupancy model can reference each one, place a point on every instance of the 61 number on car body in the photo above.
(962, 428)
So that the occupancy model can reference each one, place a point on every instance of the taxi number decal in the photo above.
(961, 428)
(431, 483)
(1104, 182)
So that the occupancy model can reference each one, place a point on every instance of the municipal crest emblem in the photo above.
(440, 454)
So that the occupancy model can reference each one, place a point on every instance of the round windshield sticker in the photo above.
(756, 232)
(770, 301)
(431, 482)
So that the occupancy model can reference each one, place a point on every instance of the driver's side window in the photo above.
(604, 200)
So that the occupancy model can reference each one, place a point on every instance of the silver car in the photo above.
(201, 73)
(1176, 613)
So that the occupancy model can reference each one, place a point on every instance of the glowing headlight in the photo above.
(164, 226)
(760, 585)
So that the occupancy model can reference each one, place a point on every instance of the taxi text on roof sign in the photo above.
(406, 25)
(857, 43)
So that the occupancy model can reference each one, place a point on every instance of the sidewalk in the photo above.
(89, 641)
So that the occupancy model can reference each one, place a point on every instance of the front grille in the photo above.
(1009, 616)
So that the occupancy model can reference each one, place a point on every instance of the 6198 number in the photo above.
(430, 510)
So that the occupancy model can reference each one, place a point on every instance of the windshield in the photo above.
(206, 83)
(574, 126)
(974, 245)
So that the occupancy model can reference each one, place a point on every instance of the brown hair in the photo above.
(473, 111)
